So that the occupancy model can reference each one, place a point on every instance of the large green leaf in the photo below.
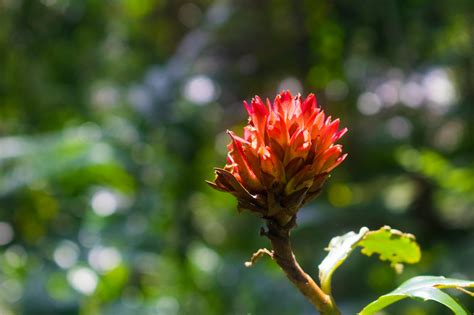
(425, 288)
(390, 244)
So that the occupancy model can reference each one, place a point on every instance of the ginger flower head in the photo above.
(286, 153)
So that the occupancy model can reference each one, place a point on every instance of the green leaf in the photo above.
(390, 244)
(425, 288)
(339, 249)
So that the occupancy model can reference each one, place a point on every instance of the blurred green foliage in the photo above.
(112, 114)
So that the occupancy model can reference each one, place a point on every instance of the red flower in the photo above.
(286, 154)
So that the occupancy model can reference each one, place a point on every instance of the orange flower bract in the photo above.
(286, 153)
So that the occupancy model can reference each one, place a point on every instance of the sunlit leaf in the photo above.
(339, 249)
(424, 288)
(390, 244)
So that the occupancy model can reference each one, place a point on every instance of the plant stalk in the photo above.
(284, 257)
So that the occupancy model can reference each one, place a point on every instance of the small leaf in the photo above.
(425, 288)
(339, 249)
(390, 244)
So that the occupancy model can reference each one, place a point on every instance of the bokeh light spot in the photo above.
(369, 103)
(200, 90)
(104, 203)
(399, 127)
(167, 305)
(6, 233)
(204, 258)
(398, 197)
(439, 89)
(411, 94)
(66, 254)
(104, 258)
(388, 92)
(83, 280)
(340, 195)
(16, 256)
(10, 290)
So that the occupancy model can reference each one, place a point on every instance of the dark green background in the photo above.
(113, 113)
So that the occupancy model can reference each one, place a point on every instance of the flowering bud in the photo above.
(284, 157)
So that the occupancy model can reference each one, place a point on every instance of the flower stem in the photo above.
(284, 257)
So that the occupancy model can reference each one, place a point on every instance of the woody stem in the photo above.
(284, 257)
